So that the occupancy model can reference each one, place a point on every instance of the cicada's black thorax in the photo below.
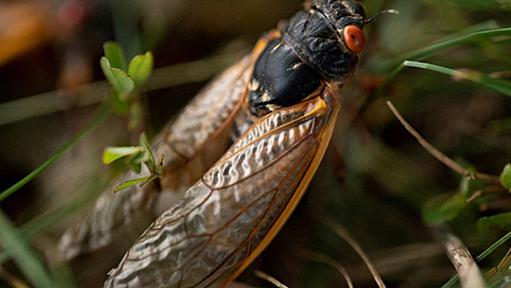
(311, 50)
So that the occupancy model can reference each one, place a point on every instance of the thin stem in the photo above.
(488, 190)
(320, 258)
(344, 234)
(101, 114)
(439, 155)
(270, 279)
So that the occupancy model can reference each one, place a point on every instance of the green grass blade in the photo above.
(480, 257)
(87, 191)
(428, 51)
(102, 113)
(493, 247)
(498, 85)
(23, 255)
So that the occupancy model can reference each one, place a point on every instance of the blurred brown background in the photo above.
(375, 179)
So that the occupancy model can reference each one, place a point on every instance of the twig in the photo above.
(270, 279)
(488, 190)
(505, 262)
(320, 258)
(344, 234)
(439, 155)
(470, 275)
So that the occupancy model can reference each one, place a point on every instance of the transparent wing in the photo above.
(124, 215)
(235, 209)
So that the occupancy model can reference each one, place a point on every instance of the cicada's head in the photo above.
(347, 17)
(320, 44)
(329, 36)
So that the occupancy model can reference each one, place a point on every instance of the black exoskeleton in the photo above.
(312, 48)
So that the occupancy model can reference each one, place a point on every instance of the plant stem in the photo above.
(438, 154)
(101, 114)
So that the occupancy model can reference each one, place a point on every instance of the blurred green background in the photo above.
(376, 180)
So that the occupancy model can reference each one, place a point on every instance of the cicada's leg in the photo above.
(229, 216)
(198, 137)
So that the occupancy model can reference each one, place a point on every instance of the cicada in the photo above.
(278, 107)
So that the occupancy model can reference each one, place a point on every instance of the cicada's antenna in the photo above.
(388, 11)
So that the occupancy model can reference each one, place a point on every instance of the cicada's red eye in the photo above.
(354, 38)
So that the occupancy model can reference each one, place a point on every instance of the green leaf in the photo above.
(105, 67)
(444, 208)
(131, 183)
(505, 177)
(151, 163)
(493, 224)
(137, 167)
(122, 83)
(140, 68)
(115, 55)
(111, 154)
(24, 256)
(119, 79)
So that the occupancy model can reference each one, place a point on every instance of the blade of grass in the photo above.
(101, 114)
(93, 185)
(428, 51)
(23, 254)
(394, 66)
(344, 234)
(453, 165)
(493, 247)
(320, 258)
(498, 85)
